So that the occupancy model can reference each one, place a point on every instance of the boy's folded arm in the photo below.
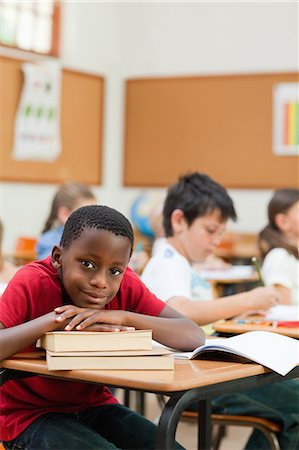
(170, 328)
(19, 337)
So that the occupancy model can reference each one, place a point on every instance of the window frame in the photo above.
(55, 39)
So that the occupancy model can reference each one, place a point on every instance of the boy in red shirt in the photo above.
(84, 285)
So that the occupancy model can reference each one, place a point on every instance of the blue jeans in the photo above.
(278, 402)
(105, 427)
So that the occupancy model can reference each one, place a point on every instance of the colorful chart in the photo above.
(291, 135)
(286, 119)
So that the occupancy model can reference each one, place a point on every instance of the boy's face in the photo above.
(92, 268)
(197, 241)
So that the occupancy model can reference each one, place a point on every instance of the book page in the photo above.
(274, 351)
(232, 273)
(283, 312)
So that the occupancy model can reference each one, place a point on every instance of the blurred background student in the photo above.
(69, 196)
(7, 269)
(278, 243)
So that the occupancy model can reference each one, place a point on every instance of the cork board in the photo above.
(81, 129)
(220, 125)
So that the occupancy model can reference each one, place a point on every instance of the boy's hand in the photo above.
(91, 319)
(263, 298)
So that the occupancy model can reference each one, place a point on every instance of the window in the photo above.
(30, 25)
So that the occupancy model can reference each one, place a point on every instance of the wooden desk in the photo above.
(231, 327)
(237, 246)
(190, 381)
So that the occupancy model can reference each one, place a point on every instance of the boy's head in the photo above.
(93, 254)
(194, 216)
(196, 195)
(96, 217)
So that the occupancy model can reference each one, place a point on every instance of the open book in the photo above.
(272, 350)
(283, 312)
(234, 272)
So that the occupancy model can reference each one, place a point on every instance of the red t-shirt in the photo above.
(34, 291)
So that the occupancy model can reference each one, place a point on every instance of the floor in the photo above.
(235, 438)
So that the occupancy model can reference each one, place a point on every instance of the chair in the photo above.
(266, 426)
(24, 250)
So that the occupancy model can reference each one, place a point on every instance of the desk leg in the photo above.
(204, 424)
(171, 415)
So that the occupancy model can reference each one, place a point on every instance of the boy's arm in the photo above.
(169, 328)
(19, 337)
(205, 312)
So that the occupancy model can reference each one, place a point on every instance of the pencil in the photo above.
(257, 267)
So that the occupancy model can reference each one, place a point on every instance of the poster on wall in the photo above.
(286, 119)
(37, 123)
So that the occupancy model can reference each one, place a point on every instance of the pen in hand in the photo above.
(257, 267)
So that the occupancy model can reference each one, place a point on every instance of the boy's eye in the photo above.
(211, 231)
(115, 272)
(87, 264)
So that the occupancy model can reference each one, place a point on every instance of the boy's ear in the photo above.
(178, 221)
(56, 257)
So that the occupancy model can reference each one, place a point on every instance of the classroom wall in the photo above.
(120, 40)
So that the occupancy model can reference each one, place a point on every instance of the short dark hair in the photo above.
(96, 217)
(196, 194)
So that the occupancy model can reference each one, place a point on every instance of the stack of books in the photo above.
(124, 350)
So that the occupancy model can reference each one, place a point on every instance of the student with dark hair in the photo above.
(68, 197)
(279, 242)
(195, 213)
(84, 285)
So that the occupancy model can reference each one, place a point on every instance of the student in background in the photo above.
(69, 196)
(84, 285)
(7, 269)
(195, 213)
(279, 243)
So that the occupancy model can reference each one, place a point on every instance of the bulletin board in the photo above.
(220, 125)
(81, 129)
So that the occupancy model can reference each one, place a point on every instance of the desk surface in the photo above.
(231, 327)
(190, 381)
(187, 374)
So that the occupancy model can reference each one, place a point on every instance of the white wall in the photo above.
(126, 39)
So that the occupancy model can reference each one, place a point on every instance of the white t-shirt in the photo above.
(280, 267)
(168, 274)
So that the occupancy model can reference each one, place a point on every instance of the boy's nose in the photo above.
(99, 279)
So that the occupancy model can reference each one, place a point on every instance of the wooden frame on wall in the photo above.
(81, 129)
(220, 125)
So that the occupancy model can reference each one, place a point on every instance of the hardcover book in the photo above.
(91, 341)
(117, 360)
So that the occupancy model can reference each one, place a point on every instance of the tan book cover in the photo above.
(65, 341)
(158, 359)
